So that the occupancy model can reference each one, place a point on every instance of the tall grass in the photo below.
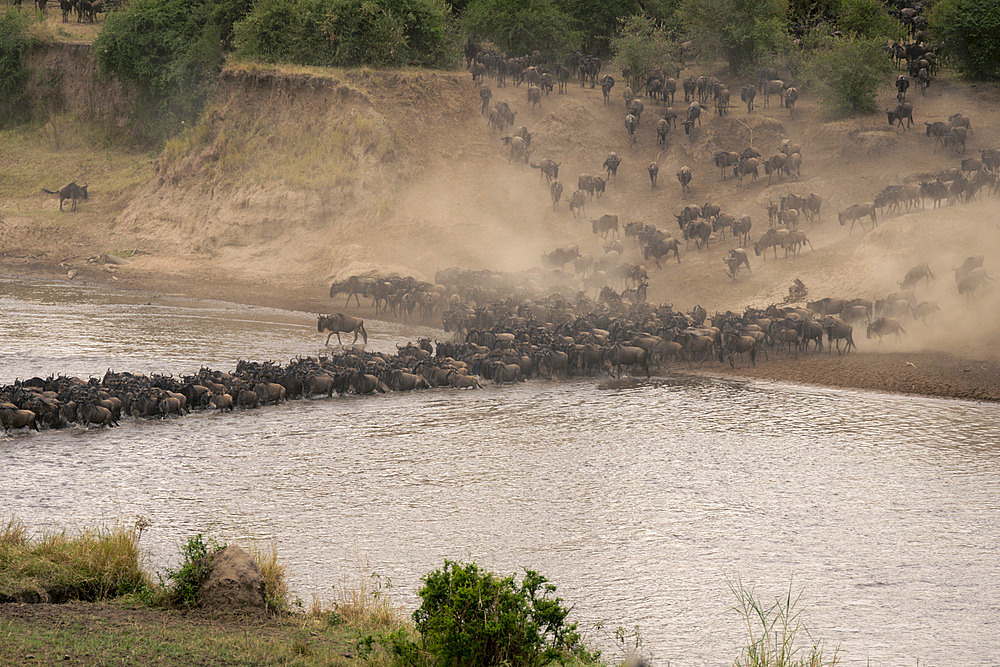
(772, 630)
(93, 564)
(273, 573)
(366, 606)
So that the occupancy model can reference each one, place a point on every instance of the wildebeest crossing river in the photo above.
(638, 499)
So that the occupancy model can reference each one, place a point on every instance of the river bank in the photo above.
(928, 372)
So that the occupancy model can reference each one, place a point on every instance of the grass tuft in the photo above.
(94, 564)
(273, 572)
(366, 607)
(772, 629)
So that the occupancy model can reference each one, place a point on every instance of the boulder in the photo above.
(234, 582)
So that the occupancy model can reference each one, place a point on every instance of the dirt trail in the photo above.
(295, 177)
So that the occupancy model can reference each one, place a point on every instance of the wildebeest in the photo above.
(631, 125)
(662, 129)
(885, 326)
(925, 310)
(555, 191)
(736, 259)
(747, 94)
(791, 95)
(611, 164)
(606, 224)
(854, 214)
(794, 241)
(725, 160)
(693, 115)
(956, 139)
(903, 111)
(607, 83)
(722, 101)
(654, 170)
(534, 96)
(772, 238)
(627, 355)
(837, 330)
(547, 169)
(577, 203)
(337, 323)
(684, 178)
(775, 164)
(972, 281)
(919, 272)
(506, 115)
(745, 167)
(661, 248)
(827, 306)
(741, 229)
(11, 417)
(902, 84)
(560, 257)
(960, 120)
(72, 191)
(485, 94)
(775, 86)
(689, 85)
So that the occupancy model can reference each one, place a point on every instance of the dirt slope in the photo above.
(295, 177)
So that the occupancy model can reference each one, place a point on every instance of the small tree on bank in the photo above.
(847, 72)
(518, 27)
(744, 32)
(640, 48)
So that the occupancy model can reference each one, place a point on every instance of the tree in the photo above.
(518, 27)
(640, 48)
(847, 72)
(597, 20)
(970, 30)
(744, 32)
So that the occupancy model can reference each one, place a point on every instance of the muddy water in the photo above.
(639, 499)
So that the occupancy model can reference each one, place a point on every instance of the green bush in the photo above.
(471, 617)
(598, 20)
(349, 32)
(14, 45)
(641, 47)
(744, 32)
(868, 18)
(970, 30)
(195, 566)
(847, 72)
(170, 51)
(519, 27)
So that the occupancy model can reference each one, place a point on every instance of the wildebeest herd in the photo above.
(85, 10)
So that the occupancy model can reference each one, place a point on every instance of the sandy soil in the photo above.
(405, 177)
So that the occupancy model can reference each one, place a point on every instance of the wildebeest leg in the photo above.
(339, 342)
(327, 344)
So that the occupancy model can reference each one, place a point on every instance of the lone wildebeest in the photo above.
(71, 191)
(736, 259)
(684, 178)
(903, 111)
(335, 324)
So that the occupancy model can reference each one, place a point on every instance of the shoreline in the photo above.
(926, 373)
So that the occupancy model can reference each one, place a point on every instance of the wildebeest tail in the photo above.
(49, 192)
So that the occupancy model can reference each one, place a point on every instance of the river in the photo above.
(640, 500)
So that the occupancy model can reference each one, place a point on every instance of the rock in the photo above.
(234, 582)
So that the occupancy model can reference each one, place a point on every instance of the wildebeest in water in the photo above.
(335, 324)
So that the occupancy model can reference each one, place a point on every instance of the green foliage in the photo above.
(349, 32)
(597, 20)
(744, 32)
(194, 570)
(970, 30)
(14, 45)
(640, 48)
(472, 617)
(170, 50)
(518, 27)
(847, 72)
(810, 12)
(771, 632)
(869, 19)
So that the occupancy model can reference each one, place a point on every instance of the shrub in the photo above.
(744, 32)
(170, 51)
(194, 570)
(15, 42)
(349, 32)
(518, 27)
(970, 30)
(472, 617)
(868, 18)
(640, 48)
(96, 564)
(598, 20)
(847, 72)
